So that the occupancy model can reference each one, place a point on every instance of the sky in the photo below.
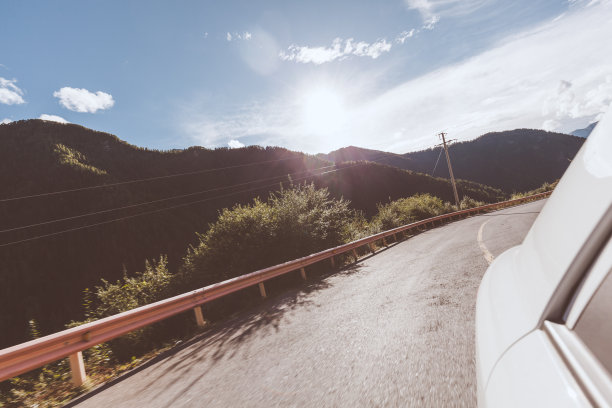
(311, 76)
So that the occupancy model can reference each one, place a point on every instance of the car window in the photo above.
(594, 327)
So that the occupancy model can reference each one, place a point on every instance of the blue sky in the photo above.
(311, 76)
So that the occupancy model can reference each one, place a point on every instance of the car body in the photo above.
(544, 308)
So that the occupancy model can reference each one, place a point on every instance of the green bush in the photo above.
(406, 210)
(153, 284)
(290, 224)
(467, 202)
(542, 189)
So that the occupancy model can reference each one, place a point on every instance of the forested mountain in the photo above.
(516, 160)
(43, 279)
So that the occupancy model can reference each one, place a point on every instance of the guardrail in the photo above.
(70, 343)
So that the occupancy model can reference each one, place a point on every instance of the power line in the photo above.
(144, 180)
(134, 181)
(160, 210)
(434, 169)
(156, 201)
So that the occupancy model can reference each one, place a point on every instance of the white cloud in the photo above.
(431, 10)
(404, 35)
(5, 121)
(431, 22)
(206, 34)
(553, 76)
(565, 104)
(551, 125)
(339, 49)
(81, 100)
(53, 118)
(586, 3)
(10, 94)
(235, 144)
(525, 81)
(246, 36)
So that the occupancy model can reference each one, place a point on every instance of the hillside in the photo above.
(516, 160)
(44, 278)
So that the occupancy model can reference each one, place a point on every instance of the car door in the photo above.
(567, 362)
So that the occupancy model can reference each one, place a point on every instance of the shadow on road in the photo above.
(221, 339)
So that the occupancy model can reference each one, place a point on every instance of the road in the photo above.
(395, 329)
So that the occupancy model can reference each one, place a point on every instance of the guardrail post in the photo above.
(77, 367)
(395, 237)
(385, 242)
(333, 262)
(199, 317)
(262, 290)
(355, 255)
(303, 273)
(371, 246)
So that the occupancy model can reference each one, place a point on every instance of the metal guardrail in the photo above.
(70, 343)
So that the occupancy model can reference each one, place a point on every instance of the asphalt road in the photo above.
(396, 329)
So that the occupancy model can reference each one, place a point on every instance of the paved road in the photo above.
(397, 329)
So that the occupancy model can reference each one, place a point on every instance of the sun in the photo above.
(323, 111)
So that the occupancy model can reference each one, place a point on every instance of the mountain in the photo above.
(513, 161)
(584, 132)
(353, 153)
(44, 278)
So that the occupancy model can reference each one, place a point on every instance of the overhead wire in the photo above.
(159, 200)
(162, 209)
(134, 181)
(156, 201)
(439, 155)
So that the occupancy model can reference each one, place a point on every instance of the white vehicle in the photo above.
(544, 309)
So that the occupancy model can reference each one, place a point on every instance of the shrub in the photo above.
(146, 287)
(406, 210)
(153, 284)
(292, 223)
(467, 202)
(542, 189)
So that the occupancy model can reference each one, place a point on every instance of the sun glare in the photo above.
(323, 111)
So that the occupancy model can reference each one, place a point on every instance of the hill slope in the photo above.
(44, 278)
(517, 160)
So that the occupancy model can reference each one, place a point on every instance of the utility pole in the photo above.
(450, 168)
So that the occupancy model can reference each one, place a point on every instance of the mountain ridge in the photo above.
(513, 161)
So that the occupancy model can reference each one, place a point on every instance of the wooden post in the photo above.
(371, 246)
(333, 262)
(77, 367)
(303, 273)
(199, 317)
(355, 255)
(262, 290)
(395, 237)
(385, 242)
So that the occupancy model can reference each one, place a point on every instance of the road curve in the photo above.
(396, 329)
